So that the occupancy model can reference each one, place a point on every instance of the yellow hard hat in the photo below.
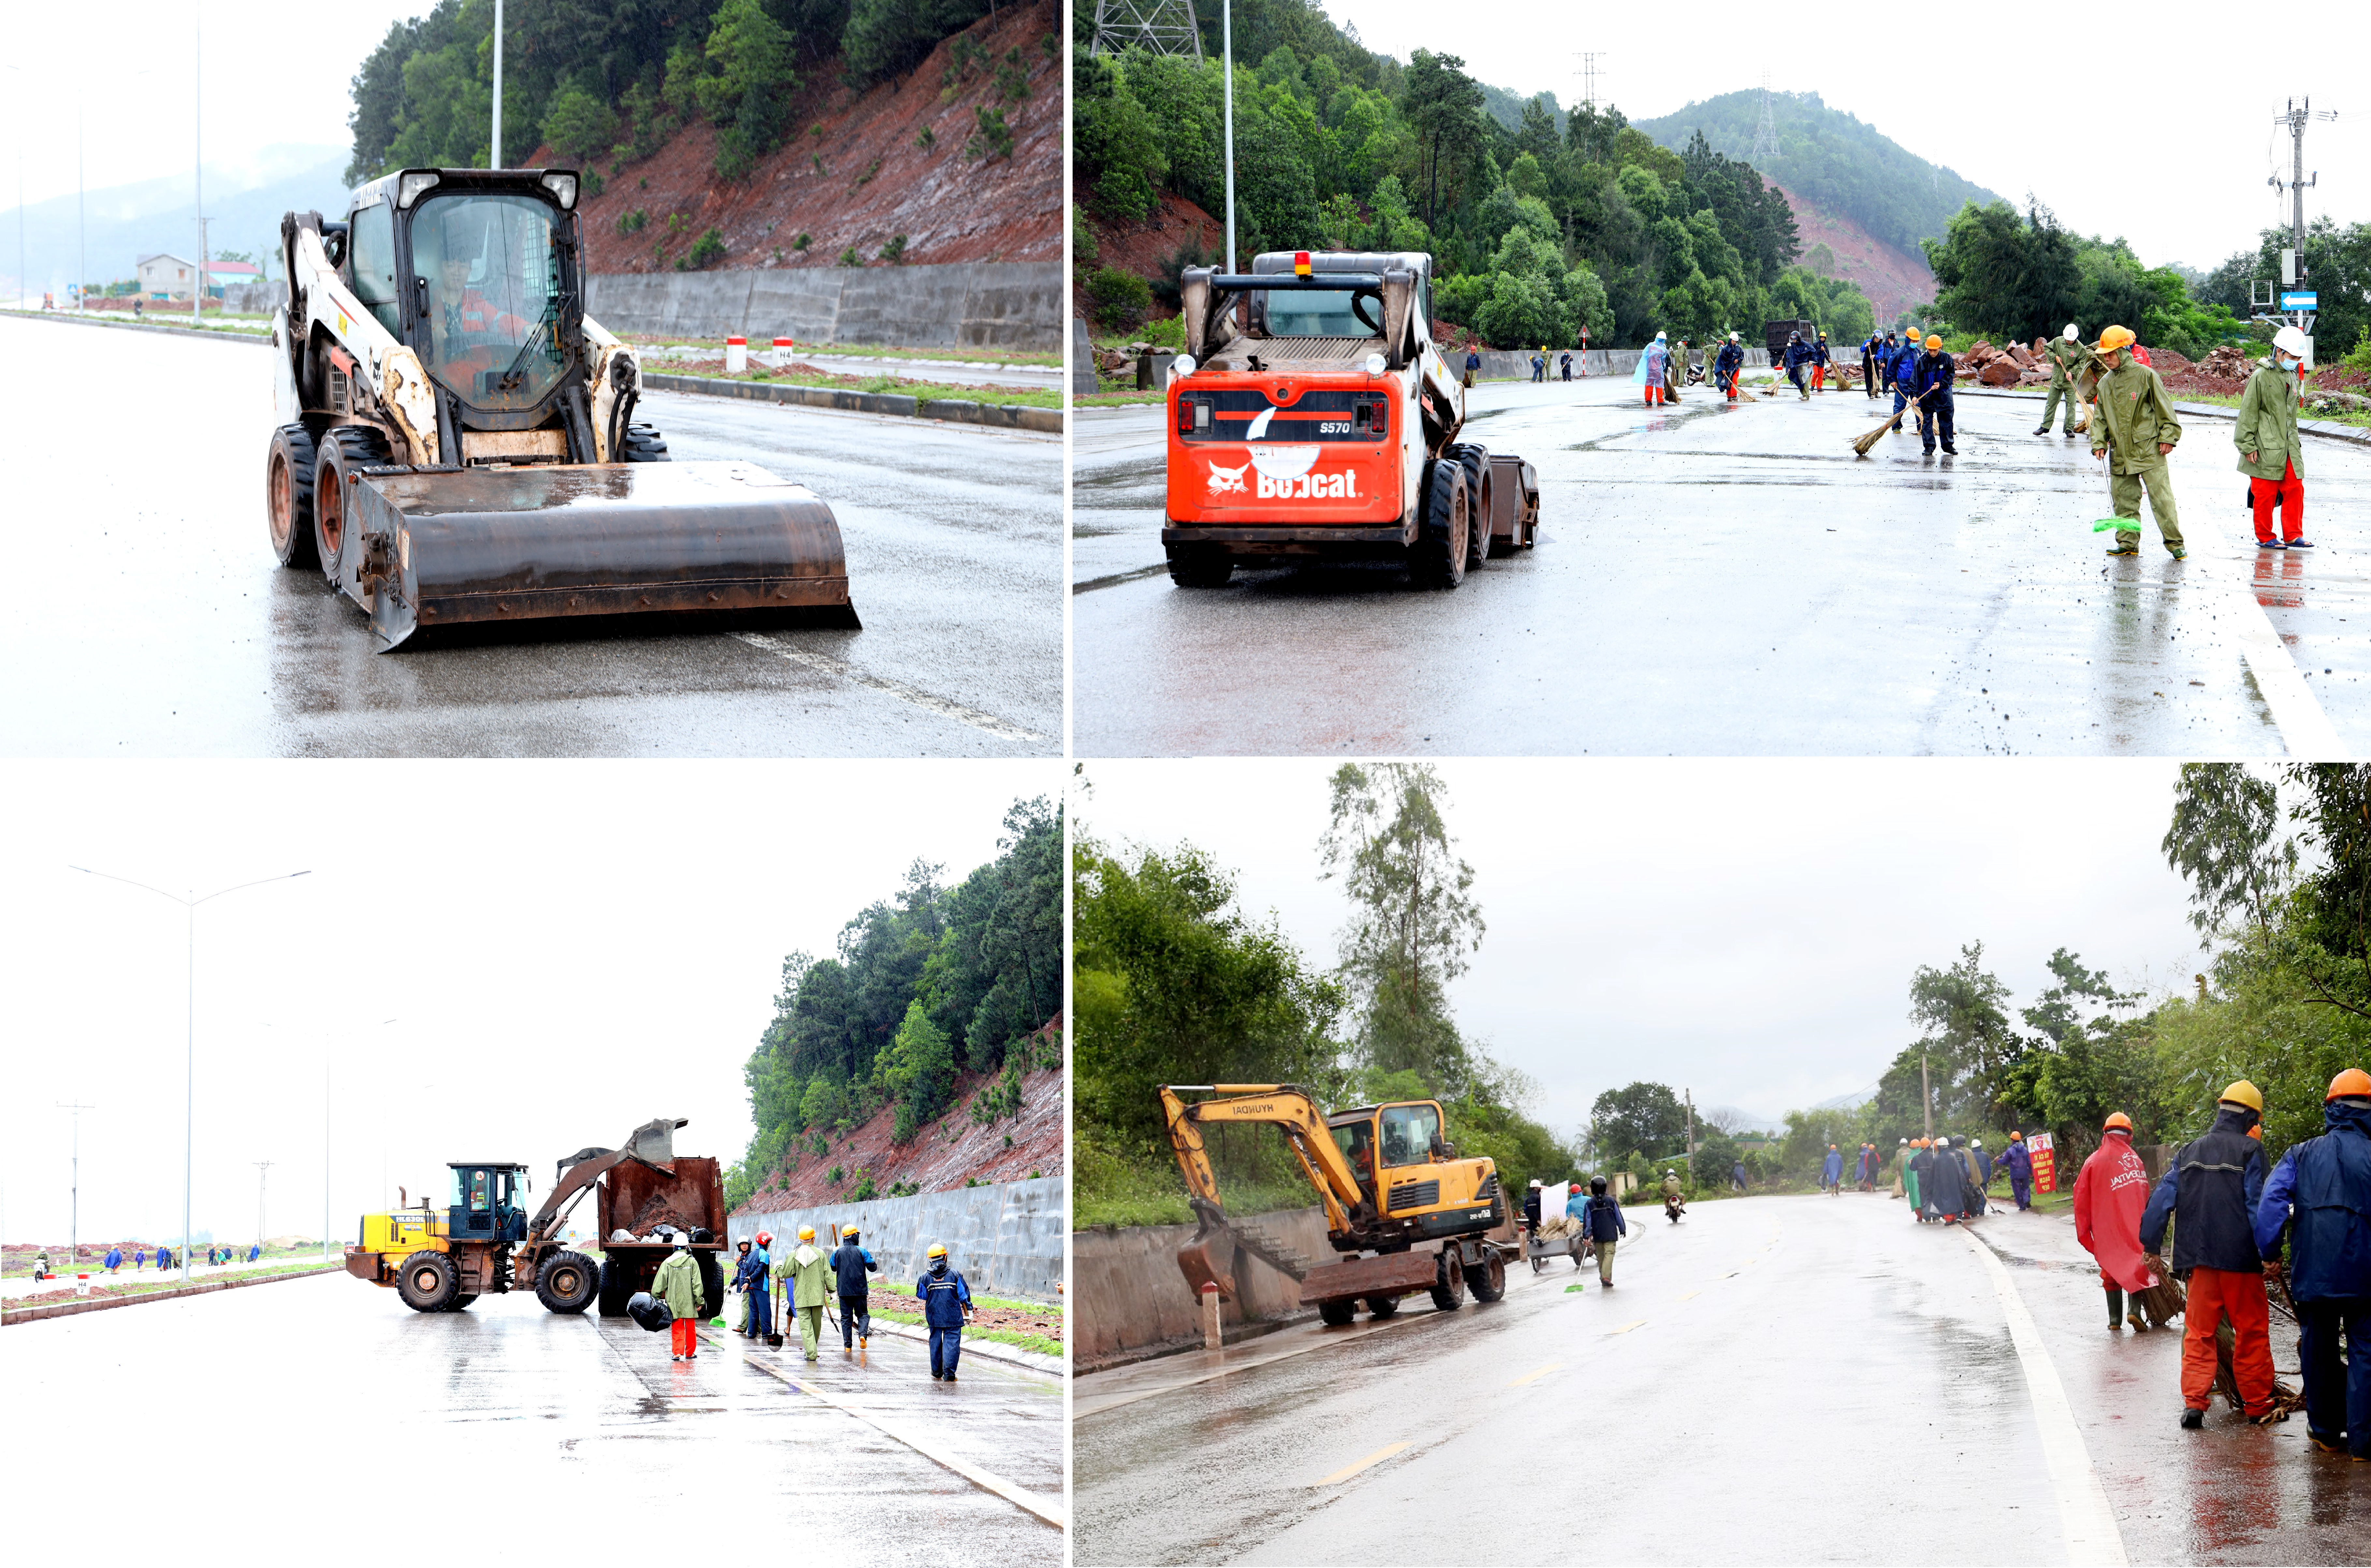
(936, 1250)
(2116, 338)
(1933, 342)
(2243, 1092)
(847, 1231)
(2353, 1081)
(806, 1232)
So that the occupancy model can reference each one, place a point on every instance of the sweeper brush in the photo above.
(456, 439)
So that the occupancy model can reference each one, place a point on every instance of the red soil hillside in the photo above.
(1144, 247)
(945, 1154)
(1892, 281)
(875, 182)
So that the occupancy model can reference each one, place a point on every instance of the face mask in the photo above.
(938, 1265)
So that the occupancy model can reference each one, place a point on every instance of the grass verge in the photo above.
(1037, 1342)
(1050, 359)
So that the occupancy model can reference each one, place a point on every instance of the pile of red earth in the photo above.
(2016, 366)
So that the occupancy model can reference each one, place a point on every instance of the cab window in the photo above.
(481, 1190)
(1408, 1132)
(370, 262)
(1357, 1142)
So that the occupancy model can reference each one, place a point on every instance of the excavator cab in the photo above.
(482, 1201)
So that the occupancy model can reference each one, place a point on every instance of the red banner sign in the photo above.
(2045, 1163)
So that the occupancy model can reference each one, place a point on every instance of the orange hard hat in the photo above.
(2116, 338)
(2353, 1081)
(2013, 1135)
(2118, 1122)
(1933, 342)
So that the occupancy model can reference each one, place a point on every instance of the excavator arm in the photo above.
(1283, 1106)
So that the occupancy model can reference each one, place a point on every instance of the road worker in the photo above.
(1931, 392)
(1798, 356)
(1675, 371)
(2064, 353)
(2266, 434)
(1730, 359)
(849, 1264)
(946, 1302)
(808, 1288)
(1652, 364)
(678, 1284)
(1821, 358)
(2320, 1195)
(2110, 1194)
(1832, 1172)
(2134, 430)
(2018, 1160)
(2212, 1191)
(1603, 1222)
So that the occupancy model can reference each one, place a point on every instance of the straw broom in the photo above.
(1861, 446)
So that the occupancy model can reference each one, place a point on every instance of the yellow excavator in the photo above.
(1388, 1179)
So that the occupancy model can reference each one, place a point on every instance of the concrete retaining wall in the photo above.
(1132, 1301)
(1006, 1237)
(1498, 364)
(1002, 305)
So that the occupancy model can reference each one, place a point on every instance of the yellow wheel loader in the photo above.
(1388, 1181)
(456, 439)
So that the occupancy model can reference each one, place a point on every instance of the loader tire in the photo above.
(461, 1303)
(567, 1283)
(1438, 559)
(288, 496)
(342, 450)
(1199, 566)
(645, 445)
(1475, 460)
(617, 1289)
(428, 1282)
(711, 1285)
(1449, 1288)
(1489, 1282)
(1382, 1305)
(1338, 1314)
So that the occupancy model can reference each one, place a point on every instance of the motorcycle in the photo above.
(1673, 1208)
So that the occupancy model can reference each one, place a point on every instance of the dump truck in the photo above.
(482, 1241)
(456, 440)
(1389, 1182)
(1310, 415)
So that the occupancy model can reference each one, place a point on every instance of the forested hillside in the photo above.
(930, 982)
(1537, 231)
(1831, 159)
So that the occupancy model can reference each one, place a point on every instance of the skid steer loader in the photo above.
(456, 439)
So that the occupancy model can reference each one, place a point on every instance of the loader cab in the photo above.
(1329, 313)
(486, 1201)
(478, 271)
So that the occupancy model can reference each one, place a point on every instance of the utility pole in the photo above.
(73, 1209)
(197, 294)
(1227, 63)
(1926, 1097)
(495, 159)
(2292, 303)
(262, 1174)
(1691, 1095)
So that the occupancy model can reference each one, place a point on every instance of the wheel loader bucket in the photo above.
(447, 546)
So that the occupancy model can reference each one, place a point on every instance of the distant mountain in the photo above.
(1506, 107)
(1853, 1102)
(1831, 159)
(122, 222)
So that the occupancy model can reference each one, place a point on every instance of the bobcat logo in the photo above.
(1224, 480)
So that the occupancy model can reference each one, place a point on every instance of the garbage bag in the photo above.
(649, 1311)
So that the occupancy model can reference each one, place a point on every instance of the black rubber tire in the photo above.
(645, 445)
(1199, 566)
(567, 1283)
(460, 1304)
(288, 496)
(1491, 1283)
(428, 1282)
(617, 1289)
(711, 1284)
(342, 450)
(1382, 1305)
(1438, 559)
(1338, 1314)
(1475, 458)
(1449, 1291)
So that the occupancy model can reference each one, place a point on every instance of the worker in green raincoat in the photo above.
(2134, 429)
(1910, 1175)
(810, 1287)
(1675, 371)
(2065, 356)
(678, 1284)
(2266, 435)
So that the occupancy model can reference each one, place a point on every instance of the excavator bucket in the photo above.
(446, 546)
(1209, 1259)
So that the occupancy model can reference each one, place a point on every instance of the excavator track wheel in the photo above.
(428, 1282)
(1438, 559)
(288, 496)
(567, 1282)
(343, 450)
(1449, 1288)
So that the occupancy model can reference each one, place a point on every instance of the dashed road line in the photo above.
(1347, 1471)
(1536, 1377)
(1626, 1328)
(825, 663)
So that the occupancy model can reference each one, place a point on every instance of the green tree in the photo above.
(1443, 105)
(917, 1069)
(1639, 1118)
(889, 38)
(1968, 1039)
(579, 126)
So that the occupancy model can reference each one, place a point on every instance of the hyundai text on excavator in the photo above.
(1310, 415)
(481, 1241)
(456, 439)
(1387, 1178)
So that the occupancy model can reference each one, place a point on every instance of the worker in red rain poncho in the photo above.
(2110, 1195)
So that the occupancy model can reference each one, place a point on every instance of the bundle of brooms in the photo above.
(2162, 1301)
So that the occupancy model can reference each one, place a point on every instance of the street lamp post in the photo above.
(1227, 63)
(263, 1175)
(189, 1042)
(73, 1192)
(494, 154)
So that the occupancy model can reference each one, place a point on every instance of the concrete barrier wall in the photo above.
(999, 304)
(1131, 1300)
(1500, 365)
(1005, 1237)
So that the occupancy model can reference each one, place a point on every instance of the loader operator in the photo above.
(465, 329)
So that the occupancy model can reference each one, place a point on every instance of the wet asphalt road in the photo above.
(1732, 580)
(157, 623)
(1774, 1380)
(296, 1405)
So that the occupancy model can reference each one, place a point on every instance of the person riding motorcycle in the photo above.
(1674, 1202)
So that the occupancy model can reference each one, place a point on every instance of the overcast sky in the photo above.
(1746, 929)
(264, 82)
(2188, 128)
(567, 950)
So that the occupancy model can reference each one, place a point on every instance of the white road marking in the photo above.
(1347, 1471)
(826, 665)
(2084, 1517)
(2305, 729)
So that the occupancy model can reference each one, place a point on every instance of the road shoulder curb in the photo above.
(994, 416)
(68, 1309)
(68, 318)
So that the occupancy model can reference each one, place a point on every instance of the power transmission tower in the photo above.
(1589, 78)
(1158, 27)
(1765, 134)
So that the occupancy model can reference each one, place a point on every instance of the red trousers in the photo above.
(1654, 393)
(2290, 490)
(1819, 378)
(685, 1338)
(2215, 1294)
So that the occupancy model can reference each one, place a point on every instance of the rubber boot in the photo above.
(2115, 1308)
